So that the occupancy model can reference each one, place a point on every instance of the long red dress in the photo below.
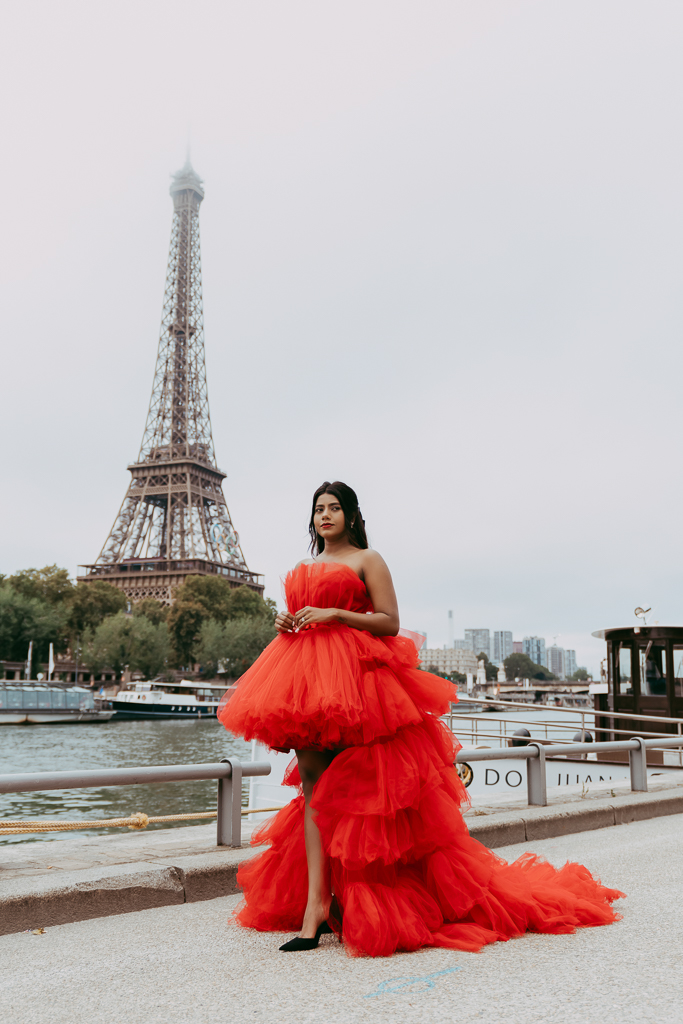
(402, 864)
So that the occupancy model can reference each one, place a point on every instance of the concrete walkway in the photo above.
(185, 965)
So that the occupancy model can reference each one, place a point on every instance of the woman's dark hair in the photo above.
(355, 524)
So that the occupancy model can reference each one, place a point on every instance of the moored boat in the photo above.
(185, 699)
(24, 703)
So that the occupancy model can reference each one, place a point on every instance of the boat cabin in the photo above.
(644, 677)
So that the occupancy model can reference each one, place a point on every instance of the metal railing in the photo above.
(535, 752)
(481, 725)
(229, 772)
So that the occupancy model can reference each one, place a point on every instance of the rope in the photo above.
(136, 821)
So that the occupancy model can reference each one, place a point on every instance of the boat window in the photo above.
(14, 699)
(678, 671)
(44, 699)
(58, 698)
(625, 675)
(72, 699)
(653, 670)
(30, 699)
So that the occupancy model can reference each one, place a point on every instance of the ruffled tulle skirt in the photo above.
(402, 865)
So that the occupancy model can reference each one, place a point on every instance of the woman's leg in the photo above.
(312, 763)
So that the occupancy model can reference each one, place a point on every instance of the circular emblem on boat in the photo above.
(465, 772)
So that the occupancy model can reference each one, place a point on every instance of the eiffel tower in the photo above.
(174, 521)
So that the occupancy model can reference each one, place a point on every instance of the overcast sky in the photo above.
(442, 247)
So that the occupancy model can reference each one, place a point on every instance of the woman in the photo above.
(378, 820)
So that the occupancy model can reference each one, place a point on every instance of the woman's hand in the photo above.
(309, 616)
(284, 622)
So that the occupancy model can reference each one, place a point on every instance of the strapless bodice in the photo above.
(326, 585)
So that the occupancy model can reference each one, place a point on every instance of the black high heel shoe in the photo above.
(298, 945)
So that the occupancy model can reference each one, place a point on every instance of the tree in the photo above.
(91, 603)
(50, 584)
(202, 598)
(185, 620)
(23, 619)
(221, 601)
(520, 666)
(580, 674)
(153, 610)
(234, 645)
(122, 641)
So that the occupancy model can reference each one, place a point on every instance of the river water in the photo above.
(61, 747)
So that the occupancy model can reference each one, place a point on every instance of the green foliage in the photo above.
(91, 603)
(221, 601)
(50, 584)
(234, 645)
(153, 610)
(184, 622)
(581, 674)
(204, 598)
(520, 666)
(23, 619)
(122, 640)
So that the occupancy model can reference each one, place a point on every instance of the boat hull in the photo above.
(47, 718)
(128, 710)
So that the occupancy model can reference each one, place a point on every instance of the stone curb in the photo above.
(534, 823)
(117, 889)
(125, 888)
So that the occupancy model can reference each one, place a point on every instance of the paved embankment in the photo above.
(48, 883)
(188, 965)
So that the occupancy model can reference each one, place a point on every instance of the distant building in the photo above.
(502, 646)
(517, 647)
(534, 648)
(569, 663)
(462, 645)
(555, 661)
(480, 640)
(448, 659)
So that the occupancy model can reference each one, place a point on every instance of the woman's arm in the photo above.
(383, 621)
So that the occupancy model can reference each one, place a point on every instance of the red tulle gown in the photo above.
(403, 867)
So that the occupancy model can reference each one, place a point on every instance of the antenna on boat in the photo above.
(641, 613)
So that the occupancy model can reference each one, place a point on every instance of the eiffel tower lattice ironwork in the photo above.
(174, 521)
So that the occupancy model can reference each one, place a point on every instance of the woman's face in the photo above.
(328, 518)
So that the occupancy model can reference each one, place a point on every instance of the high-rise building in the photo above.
(480, 640)
(517, 647)
(534, 648)
(569, 663)
(462, 645)
(502, 646)
(451, 634)
(555, 661)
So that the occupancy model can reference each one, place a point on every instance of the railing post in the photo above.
(229, 818)
(637, 760)
(537, 794)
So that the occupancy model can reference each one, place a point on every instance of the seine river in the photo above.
(32, 748)
(35, 748)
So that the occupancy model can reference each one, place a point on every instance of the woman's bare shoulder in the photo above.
(371, 559)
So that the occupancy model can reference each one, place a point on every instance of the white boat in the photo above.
(44, 703)
(185, 699)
